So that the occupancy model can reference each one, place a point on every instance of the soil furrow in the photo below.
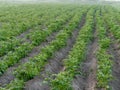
(115, 52)
(87, 79)
(91, 63)
(8, 75)
(23, 36)
(55, 65)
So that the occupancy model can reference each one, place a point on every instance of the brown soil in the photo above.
(92, 65)
(55, 65)
(23, 36)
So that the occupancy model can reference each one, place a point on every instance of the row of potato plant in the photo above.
(104, 64)
(32, 68)
(63, 80)
(37, 36)
(24, 18)
(20, 52)
(112, 24)
(10, 44)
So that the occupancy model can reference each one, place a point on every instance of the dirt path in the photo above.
(55, 65)
(87, 81)
(8, 75)
(23, 36)
(92, 65)
(89, 68)
(115, 52)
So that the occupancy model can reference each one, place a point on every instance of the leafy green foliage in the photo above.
(36, 37)
(104, 68)
(63, 80)
(30, 69)
(104, 43)
(15, 85)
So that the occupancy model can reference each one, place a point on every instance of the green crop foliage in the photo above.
(32, 68)
(104, 67)
(76, 56)
(32, 34)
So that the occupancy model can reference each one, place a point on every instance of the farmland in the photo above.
(59, 47)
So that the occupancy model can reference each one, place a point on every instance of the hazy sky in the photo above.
(112, 0)
(48, 0)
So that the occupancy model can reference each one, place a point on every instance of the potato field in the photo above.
(59, 47)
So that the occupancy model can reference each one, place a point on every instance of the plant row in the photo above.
(104, 64)
(14, 56)
(20, 19)
(32, 68)
(112, 24)
(10, 44)
(76, 56)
